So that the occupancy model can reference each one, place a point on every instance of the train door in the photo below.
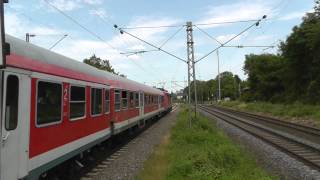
(14, 126)
(141, 103)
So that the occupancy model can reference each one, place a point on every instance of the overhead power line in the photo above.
(250, 46)
(79, 24)
(29, 17)
(150, 44)
(62, 38)
(183, 25)
(153, 50)
(109, 22)
(207, 34)
(226, 22)
(223, 44)
(172, 36)
(88, 30)
(153, 27)
(130, 53)
(157, 49)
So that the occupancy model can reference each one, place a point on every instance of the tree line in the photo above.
(231, 87)
(293, 74)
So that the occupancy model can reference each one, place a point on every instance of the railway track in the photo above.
(264, 128)
(297, 127)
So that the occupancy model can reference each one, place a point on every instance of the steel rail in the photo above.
(298, 127)
(304, 152)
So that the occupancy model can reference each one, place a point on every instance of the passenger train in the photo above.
(54, 108)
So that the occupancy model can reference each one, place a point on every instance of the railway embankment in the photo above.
(200, 152)
(308, 115)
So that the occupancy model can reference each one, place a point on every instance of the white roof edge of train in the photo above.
(21, 47)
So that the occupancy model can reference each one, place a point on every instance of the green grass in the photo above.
(202, 152)
(310, 114)
(156, 166)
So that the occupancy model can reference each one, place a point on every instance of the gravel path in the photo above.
(128, 161)
(272, 159)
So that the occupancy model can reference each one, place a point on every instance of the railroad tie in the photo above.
(85, 178)
(106, 162)
(100, 166)
(91, 174)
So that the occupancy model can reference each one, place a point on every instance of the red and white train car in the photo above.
(55, 108)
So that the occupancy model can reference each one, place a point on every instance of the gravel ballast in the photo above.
(127, 162)
(272, 159)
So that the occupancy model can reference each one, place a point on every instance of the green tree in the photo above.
(228, 86)
(293, 74)
(301, 52)
(101, 64)
(208, 90)
(264, 76)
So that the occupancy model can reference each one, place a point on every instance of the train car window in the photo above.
(107, 101)
(136, 100)
(131, 100)
(12, 96)
(146, 99)
(117, 100)
(149, 99)
(49, 103)
(124, 99)
(96, 101)
(77, 102)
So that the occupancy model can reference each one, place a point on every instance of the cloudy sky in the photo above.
(155, 68)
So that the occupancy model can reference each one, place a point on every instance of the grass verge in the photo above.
(202, 152)
(297, 112)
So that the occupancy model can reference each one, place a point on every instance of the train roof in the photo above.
(30, 57)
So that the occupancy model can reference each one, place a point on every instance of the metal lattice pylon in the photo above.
(191, 67)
